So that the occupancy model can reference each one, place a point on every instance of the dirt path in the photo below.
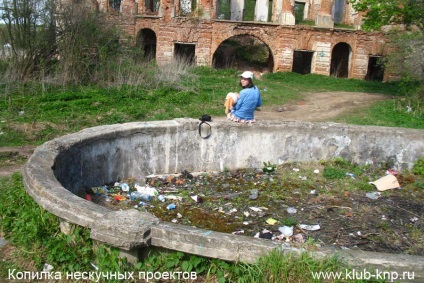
(315, 107)
(319, 107)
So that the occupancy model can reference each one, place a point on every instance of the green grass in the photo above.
(385, 113)
(33, 113)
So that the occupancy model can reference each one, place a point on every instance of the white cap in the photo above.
(247, 75)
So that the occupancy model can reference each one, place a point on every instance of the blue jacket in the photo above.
(250, 99)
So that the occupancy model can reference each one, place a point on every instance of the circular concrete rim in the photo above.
(133, 229)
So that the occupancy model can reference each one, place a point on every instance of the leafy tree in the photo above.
(64, 40)
(30, 30)
(408, 58)
(379, 13)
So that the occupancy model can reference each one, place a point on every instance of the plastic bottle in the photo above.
(171, 206)
(161, 198)
(137, 195)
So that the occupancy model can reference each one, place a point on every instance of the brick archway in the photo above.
(243, 51)
(147, 41)
(340, 60)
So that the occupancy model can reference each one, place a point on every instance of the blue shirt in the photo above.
(250, 99)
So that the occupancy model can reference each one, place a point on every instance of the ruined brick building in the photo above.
(305, 36)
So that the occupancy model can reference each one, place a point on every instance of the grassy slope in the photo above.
(32, 115)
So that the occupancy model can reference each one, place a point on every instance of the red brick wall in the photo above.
(207, 34)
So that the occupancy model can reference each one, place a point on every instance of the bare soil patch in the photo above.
(319, 107)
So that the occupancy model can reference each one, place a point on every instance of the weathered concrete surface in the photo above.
(124, 229)
(63, 168)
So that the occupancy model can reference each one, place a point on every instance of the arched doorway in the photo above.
(146, 40)
(244, 52)
(340, 60)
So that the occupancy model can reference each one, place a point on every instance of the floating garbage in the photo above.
(146, 190)
(256, 209)
(316, 171)
(373, 195)
(271, 221)
(124, 187)
(135, 195)
(265, 234)
(393, 172)
(313, 192)
(197, 198)
(119, 197)
(291, 210)
(313, 227)
(286, 231)
(386, 183)
(254, 194)
(171, 206)
(161, 198)
(172, 197)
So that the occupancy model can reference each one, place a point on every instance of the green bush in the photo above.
(334, 173)
(418, 167)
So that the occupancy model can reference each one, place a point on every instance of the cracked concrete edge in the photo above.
(248, 249)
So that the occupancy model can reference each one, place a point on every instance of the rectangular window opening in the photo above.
(302, 61)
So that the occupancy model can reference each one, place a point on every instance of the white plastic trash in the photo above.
(286, 231)
(146, 190)
(313, 227)
(291, 210)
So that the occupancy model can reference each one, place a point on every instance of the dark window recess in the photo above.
(151, 7)
(375, 70)
(302, 61)
(115, 4)
(185, 52)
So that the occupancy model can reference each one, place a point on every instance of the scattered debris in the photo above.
(170, 206)
(47, 267)
(414, 219)
(265, 234)
(314, 227)
(286, 231)
(373, 195)
(271, 221)
(350, 175)
(256, 209)
(386, 183)
(291, 210)
(254, 194)
(226, 201)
